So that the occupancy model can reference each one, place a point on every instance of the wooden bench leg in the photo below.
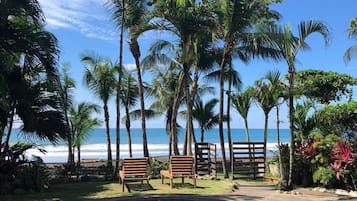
(194, 182)
(162, 179)
(171, 183)
(183, 180)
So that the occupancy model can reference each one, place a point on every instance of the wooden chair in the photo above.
(180, 166)
(134, 169)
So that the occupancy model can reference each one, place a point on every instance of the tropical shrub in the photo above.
(305, 153)
(33, 177)
(16, 171)
(324, 176)
(155, 167)
(344, 164)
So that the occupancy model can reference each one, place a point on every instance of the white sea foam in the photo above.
(59, 153)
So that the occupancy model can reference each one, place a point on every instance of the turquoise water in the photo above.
(95, 145)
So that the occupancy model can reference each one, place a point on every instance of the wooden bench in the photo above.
(180, 166)
(134, 169)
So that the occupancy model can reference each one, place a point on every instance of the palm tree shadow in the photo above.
(184, 185)
(139, 187)
(184, 197)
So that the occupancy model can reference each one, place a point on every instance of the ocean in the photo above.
(95, 145)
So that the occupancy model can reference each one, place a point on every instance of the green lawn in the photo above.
(97, 190)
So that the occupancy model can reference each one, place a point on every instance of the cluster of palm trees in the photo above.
(210, 35)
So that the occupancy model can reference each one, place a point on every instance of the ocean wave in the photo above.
(59, 153)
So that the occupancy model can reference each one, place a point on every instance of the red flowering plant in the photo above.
(344, 163)
(305, 153)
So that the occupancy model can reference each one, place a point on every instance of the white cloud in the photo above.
(88, 17)
(130, 67)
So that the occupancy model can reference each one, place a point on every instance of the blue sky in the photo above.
(85, 26)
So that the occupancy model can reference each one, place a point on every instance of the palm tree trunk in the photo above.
(247, 130)
(78, 157)
(221, 100)
(202, 134)
(282, 176)
(109, 148)
(70, 158)
(265, 134)
(189, 129)
(184, 147)
(127, 125)
(135, 50)
(7, 140)
(291, 126)
(117, 144)
(229, 136)
(175, 107)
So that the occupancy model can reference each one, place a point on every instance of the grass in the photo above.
(99, 190)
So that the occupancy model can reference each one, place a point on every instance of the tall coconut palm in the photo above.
(166, 69)
(174, 17)
(129, 96)
(67, 84)
(236, 16)
(352, 33)
(290, 45)
(99, 77)
(81, 123)
(204, 115)
(242, 102)
(117, 9)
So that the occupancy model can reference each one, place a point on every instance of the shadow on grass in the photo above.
(180, 197)
(61, 192)
(138, 187)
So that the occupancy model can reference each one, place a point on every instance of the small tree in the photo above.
(204, 115)
(324, 87)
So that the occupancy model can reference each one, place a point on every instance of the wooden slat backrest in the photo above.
(182, 165)
(135, 167)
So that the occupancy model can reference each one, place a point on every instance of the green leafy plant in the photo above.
(155, 167)
(33, 177)
(324, 177)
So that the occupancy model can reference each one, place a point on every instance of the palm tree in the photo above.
(128, 96)
(303, 123)
(22, 32)
(289, 45)
(352, 33)
(242, 103)
(204, 115)
(236, 16)
(67, 84)
(137, 22)
(81, 123)
(233, 78)
(117, 9)
(277, 91)
(166, 70)
(173, 16)
(99, 77)
(263, 94)
(26, 51)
